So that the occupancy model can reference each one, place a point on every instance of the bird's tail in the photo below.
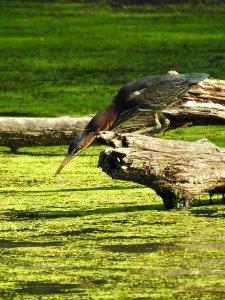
(194, 78)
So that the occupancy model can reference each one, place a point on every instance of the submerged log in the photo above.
(178, 171)
(204, 104)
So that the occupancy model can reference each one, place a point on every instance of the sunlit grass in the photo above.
(215, 134)
(57, 59)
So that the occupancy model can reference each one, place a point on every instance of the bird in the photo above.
(152, 94)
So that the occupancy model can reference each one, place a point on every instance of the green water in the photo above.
(82, 235)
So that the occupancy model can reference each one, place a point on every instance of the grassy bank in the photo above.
(70, 58)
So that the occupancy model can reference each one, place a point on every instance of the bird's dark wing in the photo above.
(158, 92)
(153, 93)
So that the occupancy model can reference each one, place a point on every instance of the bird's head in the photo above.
(78, 144)
(101, 121)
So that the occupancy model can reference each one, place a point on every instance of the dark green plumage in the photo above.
(152, 93)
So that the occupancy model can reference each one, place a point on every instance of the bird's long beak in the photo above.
(66, 160)
(83, 140)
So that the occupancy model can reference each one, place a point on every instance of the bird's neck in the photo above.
(104, 119)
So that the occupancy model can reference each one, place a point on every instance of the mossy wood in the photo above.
(178, 171)
(204, 104)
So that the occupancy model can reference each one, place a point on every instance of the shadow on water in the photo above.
(95, 231)
(208, 213)
(164, 247)
(143, 248)
(85, 189)
(51, 214)
(12, 244)
(80, 232)
(44, 288)
(175, 272)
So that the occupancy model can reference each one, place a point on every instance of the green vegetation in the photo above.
(216, 134)
(64, 239)
(70, 59)
(82, 235)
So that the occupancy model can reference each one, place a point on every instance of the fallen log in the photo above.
(203, 105)
(25, 132)
(178, 171)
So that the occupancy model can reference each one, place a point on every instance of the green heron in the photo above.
(152, 93)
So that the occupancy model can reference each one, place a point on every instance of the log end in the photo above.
(178, 171)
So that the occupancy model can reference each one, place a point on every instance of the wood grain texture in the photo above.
(178, 171)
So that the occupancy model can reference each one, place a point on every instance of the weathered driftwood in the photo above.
(20, 132)
(178, 171)
(205, 104)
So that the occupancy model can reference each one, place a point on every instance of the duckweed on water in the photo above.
(82, 235)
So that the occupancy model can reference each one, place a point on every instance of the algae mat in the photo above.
(81, 235)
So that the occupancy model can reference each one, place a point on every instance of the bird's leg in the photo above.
(161, 123)
(164, 120)
(165, 123)
(154, 129)
(158, 125)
